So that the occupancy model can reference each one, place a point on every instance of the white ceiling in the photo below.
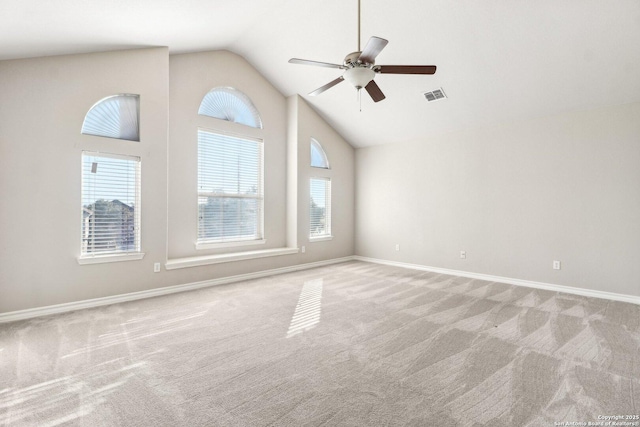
(497, 60)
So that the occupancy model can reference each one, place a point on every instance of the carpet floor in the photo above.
(351, 344)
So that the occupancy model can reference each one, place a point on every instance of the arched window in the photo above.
(227, 103)
(318, 156)
(114, 117)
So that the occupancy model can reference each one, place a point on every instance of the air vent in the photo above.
(435, 95)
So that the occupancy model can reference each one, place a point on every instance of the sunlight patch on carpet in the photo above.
(308, 310)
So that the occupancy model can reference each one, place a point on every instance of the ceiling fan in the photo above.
(360, 67)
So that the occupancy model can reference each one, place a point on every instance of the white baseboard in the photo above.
(518, 282)
(13, 316)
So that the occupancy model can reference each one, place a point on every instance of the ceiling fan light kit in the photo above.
(360, 68)
(359, 77)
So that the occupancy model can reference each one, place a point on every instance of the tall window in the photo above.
(230, 188)
(110, 204)
(320, 208)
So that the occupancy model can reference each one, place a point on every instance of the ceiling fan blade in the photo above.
(374, 91)
(329, 85)
(372, 49)
(315, 63)
(405, 69)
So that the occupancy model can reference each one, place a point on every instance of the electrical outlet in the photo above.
(156, 267)
(397, 246)
(463, 254)
(556, 265)
(303, 249)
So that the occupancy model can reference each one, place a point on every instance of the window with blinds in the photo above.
(320, 207)
(230, 188)
(110, 204)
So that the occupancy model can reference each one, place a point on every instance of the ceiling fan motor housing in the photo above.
(353, 60)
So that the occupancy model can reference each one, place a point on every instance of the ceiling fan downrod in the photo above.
(359, 15)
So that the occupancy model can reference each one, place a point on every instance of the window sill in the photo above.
(320, 238)
(217, 259)
(204, 245)
(100, 259)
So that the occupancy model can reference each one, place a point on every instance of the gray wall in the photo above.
(515, 197)
(42, 107)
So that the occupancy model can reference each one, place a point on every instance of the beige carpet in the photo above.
(353, 344)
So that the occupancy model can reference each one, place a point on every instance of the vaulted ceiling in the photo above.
(497, 61)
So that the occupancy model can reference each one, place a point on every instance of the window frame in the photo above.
(328, 211)
(260, 231)
(117, 255)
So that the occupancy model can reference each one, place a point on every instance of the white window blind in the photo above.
(110, 204)
(320, 208)
(227, 103)
(230, 188)
(115, 116)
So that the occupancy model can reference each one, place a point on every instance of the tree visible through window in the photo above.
(230, 190)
